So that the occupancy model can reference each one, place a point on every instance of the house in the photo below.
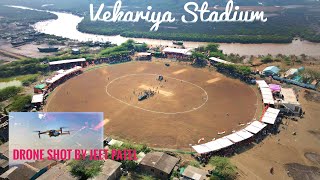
(28, 170)
(40, 88)
(110, 171)
(67, 64)
(57, 172)
(177, 53)
(271, 71)
(158, 164)
(193, 173)
(289, 103)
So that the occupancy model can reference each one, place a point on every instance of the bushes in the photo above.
(85, 169)
(223, 168)
(9, 92)
(20, 103)
(29, 80)
(29, 66)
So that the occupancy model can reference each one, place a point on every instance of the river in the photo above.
(66, 26)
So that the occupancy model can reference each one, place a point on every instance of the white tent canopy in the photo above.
(37, 98)
(61, 73)
(255, 127)
(67, 61)
(262, 84)
(144, 54)
(270, 115)
(213, 146)
(202, 148)
(244, 134)
(235, 138)
(220, 60)
(258, 124)
(252, 129)
(224, 142)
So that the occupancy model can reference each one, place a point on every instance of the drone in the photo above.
(54, 133)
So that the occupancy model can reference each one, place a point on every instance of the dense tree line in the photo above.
(283, 27)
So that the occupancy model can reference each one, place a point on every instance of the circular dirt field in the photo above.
(188, 104)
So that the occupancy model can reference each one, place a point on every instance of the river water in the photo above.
(66, 26)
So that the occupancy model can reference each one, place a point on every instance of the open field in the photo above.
(187, 105)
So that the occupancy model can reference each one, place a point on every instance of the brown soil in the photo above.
(312, 96)
(153, 121)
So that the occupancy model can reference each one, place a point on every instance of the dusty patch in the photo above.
(312, 96)
(316, 133)
(313, 157)
(213, 80)
(299, 171)
(129, 119)
(179, 71)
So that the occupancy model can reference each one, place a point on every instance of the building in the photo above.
(158, 164)
(67, 64)
(110, 171)
(193, 173)
(60, 171)
(289, 103)
(144, 56)
(28, 170)
(40, 88)
(176, 53)
(271, 71)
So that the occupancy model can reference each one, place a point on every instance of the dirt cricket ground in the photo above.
(190, 103)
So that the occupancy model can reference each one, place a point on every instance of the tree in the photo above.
(267, 59)
(85, 169)
(223, 168)
(212, 47)
(200, 60)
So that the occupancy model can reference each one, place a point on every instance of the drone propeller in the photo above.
(38, 133)
(62, 128)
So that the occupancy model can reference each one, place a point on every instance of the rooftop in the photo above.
(108, 169)
(160, 161)
(42, 164)
(176, 50)
(25, 171)
(273, 69)
(59, 171)
(289, 96)
(195, 173)
(220, 60)
(4, 149)
(67, 61)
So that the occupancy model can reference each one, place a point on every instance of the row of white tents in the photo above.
(266, 92)
(253, 128)
(269, 117)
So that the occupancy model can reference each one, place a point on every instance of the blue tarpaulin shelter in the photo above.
(271, 70)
